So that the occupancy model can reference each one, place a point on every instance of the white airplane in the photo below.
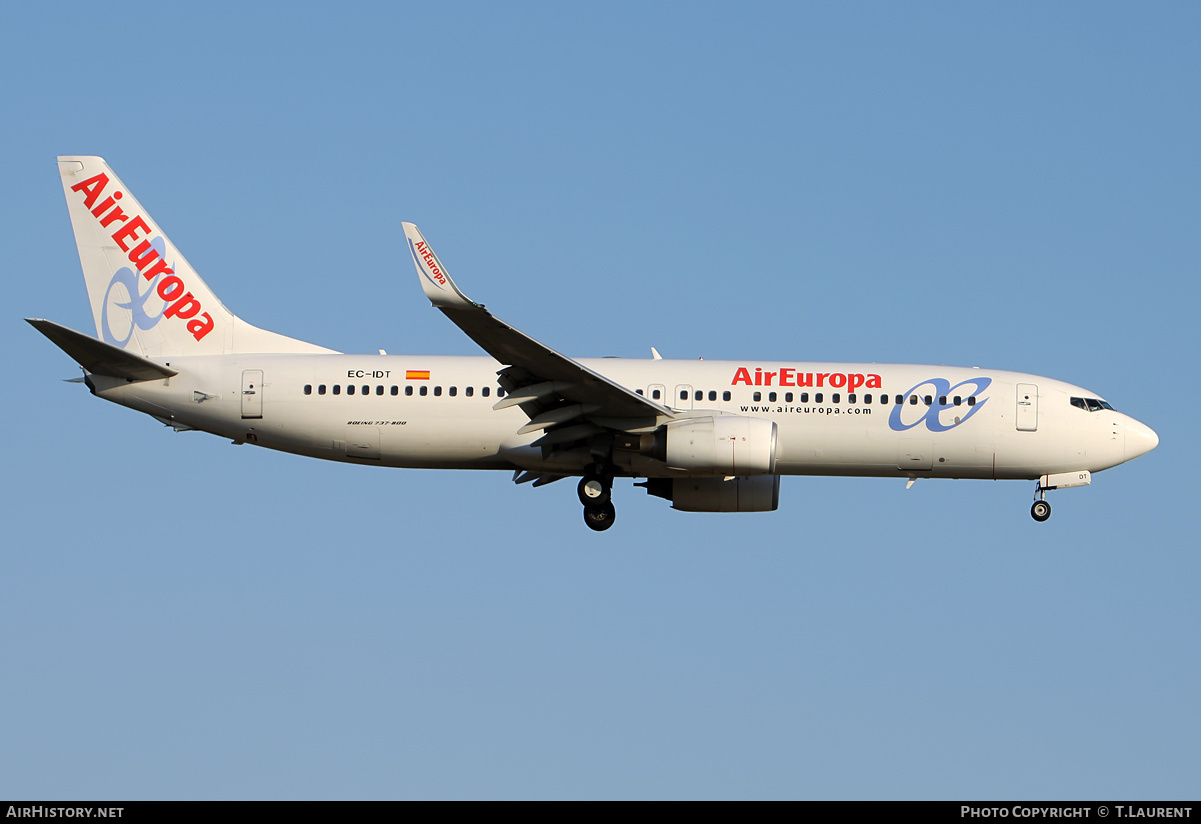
(709, 436)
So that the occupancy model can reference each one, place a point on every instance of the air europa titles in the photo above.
(431, 262)
(791, 377)
(130, 230)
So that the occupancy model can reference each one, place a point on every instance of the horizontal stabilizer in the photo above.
(101, 358)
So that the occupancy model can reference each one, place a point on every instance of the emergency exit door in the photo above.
(683, 397)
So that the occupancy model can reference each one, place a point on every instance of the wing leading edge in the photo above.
(552, 388)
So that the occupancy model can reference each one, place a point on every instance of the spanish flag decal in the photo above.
(417, 375)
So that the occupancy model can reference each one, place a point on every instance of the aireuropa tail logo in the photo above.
(942, 413)
(148, 256)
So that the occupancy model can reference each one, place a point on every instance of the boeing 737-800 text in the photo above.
(709, 436)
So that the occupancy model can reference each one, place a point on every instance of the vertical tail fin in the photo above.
(145, 296)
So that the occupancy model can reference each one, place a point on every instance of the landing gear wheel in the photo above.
(601, 517)
(594, 490)
(1040, 511)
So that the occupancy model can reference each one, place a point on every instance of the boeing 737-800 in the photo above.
(709, 436)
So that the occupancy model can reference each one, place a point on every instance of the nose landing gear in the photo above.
(1040, 510)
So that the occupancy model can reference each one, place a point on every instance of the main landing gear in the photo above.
(600, 517)
(595, 491)
(1040, 510)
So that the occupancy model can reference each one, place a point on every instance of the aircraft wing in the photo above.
(538, 375)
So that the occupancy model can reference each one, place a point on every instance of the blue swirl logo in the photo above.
(906, 415)
(136, 301)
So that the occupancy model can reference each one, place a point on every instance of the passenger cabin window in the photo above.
(913, 400)
(366, 390)
(424, 391)
(942, 400)
(817, 397)
(700, 396)
(929, 400)
(725, 396)
(787, 397)
(408, 391)
(321, 389)
(308, 389)
(851, 398)
(712, 395)
(683, 394)
(639, 391)
(958, 400)
(758, 396)
(835, 397)
(350, 389)
(379, 390)
(901, 400)
(437, 391)
(655, 394)
(971, 401)
(469, 391)
(485, 391)
(500, 391)
(771, 396)
(453, 391)
(804, 397)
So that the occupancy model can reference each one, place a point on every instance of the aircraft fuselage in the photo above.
(436, 412)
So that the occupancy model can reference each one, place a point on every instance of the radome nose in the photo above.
(1140, 439)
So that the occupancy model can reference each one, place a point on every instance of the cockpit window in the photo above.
(1090, 404)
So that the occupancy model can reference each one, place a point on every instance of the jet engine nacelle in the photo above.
(760, 493)
(724, 444)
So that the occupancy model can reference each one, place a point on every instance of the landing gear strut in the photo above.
(595, 491)
(1040, 510)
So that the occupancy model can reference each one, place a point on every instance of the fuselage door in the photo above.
(657, 392)
(682, 398)
(1027, 419)
(252, 393)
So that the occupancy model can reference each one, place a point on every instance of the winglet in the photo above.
(436, 283)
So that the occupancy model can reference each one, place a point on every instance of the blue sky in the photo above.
(1014, 186)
